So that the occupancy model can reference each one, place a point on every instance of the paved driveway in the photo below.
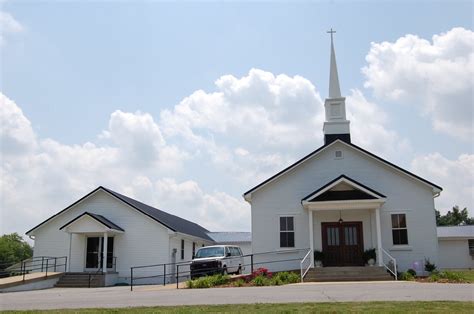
(59, 298)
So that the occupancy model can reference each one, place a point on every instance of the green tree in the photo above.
(456, 217)
(13, 249)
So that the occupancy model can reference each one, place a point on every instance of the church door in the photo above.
(342, 243)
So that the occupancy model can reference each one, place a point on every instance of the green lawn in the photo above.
(466, 274)
(343, 307)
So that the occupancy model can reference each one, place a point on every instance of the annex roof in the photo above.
(99, 218)
(456, 232)
(170, 221)
(247, 195)
(231, 237)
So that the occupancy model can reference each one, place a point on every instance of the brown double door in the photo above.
(342, 243)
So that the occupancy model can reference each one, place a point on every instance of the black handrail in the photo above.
(100, 269)
(41, 263)
(186, 263)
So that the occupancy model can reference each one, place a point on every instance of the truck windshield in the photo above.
(210, 252)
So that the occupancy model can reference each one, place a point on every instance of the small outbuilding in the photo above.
(456, 247)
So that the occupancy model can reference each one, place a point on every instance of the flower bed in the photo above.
(260, 277)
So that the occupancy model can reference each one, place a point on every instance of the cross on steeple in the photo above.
(331, 31)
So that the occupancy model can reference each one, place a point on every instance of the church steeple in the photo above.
(334, 89)
(336, 125)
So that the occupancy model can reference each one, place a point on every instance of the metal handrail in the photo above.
(394, 271)
(31, 264)
(304, 272)
(176, 274)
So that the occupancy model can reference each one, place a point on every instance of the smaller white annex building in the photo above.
(456, 247)
(110, 232)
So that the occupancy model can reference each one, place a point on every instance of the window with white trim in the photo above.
(287, 232)
(399, 229)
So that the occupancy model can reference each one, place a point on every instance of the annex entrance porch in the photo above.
(94, 245)
(95, 250)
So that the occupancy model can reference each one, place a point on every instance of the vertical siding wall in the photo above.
(405, 195)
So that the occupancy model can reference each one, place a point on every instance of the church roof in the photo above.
(170, 221)
(247, 195)
(359, 192)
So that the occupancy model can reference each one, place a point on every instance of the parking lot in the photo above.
(111, 297)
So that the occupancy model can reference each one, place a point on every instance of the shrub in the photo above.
(208, 281)
(407, 276)
(446, 276)
(260, 281)
(259, 272)
(412, 272)
(434, 277)
(238, 283)
(318, 255)
(284, 278)
(429, 267)
(369, 254)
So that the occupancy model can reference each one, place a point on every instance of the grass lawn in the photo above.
(466, 274)
(342, 307)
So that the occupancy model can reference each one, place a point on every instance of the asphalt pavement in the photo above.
(111, 297)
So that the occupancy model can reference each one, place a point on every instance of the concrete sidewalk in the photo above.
(61, 298)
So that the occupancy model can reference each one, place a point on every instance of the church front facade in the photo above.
(342, 200)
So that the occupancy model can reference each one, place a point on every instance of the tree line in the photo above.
(454, 217)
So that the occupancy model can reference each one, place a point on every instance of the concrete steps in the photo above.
(81, 280)
(356, 273)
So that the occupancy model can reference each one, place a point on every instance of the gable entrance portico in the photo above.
(330, 205)
(97, 233)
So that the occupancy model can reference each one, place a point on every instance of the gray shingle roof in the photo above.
(173, 222)
(456, 232)
(231, 237)
(109, 224)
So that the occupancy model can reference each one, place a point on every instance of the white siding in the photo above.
(144, 241)
(454, 254)
(283, 197)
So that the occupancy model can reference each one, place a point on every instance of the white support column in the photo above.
(104, 253)
(379, 236)
(311, 237)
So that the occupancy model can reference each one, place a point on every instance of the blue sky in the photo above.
(73, 64)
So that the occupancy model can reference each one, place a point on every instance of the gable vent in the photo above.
(338, 154)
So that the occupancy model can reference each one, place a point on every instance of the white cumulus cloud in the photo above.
(435, 77)
(455, 176)
(8, 25)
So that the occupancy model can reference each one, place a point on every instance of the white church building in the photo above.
(342, 200)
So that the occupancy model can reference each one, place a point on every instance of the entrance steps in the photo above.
(353, 273)
(81, 280)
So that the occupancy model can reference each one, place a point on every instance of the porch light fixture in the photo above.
(340, 218)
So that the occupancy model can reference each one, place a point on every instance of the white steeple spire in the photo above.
(334, 89)
(336, 125)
